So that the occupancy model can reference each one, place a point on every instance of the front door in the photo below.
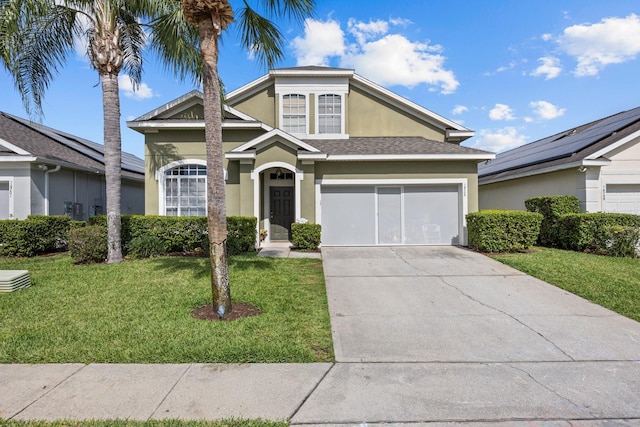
(282, 212)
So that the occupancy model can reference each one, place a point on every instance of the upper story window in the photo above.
(186, 191)
(330, 114)
(294, 113)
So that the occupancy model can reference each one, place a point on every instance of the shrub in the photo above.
(552, 208)
(503, 231)
(33, 236)
(622, 241)
(146, 247)
(88, 244)
(241, 234)
(306, 236)
(587, 232)
(185, 233)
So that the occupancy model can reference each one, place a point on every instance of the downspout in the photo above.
(46, 186)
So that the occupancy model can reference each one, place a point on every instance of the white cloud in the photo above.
(376, 53)
(546, 110)
(546, 37)
(459, 109)
(143, 91)
(550, 68)
(321, 41)
(501, 112)
(402, 22)
(499, 139)
(611, 41)
(364, 32)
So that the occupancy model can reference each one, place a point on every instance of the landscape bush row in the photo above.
(142, 236)
(555, 221)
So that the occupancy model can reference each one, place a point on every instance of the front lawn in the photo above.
(610, 282)
(140, 312)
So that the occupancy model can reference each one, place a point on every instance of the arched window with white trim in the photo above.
(294, 113)
(185, 190)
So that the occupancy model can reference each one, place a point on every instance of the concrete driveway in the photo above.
(443, 334)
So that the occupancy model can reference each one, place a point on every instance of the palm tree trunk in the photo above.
(216, 202)
(112, 163)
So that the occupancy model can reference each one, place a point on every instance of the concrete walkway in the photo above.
(422, 335)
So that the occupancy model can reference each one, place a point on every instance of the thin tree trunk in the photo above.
(216, 202)
(112, 163)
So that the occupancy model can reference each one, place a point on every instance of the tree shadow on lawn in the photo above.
(199, 267)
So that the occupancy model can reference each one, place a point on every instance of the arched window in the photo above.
(294, 113)
(186, 190)
(330, 114)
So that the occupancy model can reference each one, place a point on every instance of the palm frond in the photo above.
(177, 44)
(297, 10)
(39, 40)
(261, 36)
(132, 43)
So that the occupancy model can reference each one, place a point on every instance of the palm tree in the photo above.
(262, 37)
(37, 36)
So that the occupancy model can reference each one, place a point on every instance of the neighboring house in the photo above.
(321, 144)
(47, 172)
(598, 162)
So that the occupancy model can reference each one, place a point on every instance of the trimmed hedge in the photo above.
(35, 235)
(306, 236)
(622, 241)
(185, 233)
(503, 231)
(552, 208)
(589, 232)
(88, 244)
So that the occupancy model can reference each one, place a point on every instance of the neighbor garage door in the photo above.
(391, 215)
(622, 198)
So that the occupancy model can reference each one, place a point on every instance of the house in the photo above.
(44, 171)
(323, 145)
(598, 162)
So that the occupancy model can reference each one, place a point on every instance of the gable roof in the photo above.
(581, 146)
(454, 131)
(167, 116)
(24, 140)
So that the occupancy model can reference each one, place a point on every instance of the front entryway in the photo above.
(282, 212)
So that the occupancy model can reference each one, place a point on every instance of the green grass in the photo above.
(610, 282)
(140, 312)
(152, 423)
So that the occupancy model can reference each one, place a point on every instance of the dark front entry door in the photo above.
(282, 212)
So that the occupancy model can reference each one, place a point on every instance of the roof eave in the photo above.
(555, 168)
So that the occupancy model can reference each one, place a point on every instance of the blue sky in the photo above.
(512, 70)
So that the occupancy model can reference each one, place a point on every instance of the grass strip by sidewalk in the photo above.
(151, 423)
(613, 283)
(140, 312)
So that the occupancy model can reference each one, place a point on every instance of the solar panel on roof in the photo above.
(559, 145)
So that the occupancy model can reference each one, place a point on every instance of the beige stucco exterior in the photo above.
(258, 158)
(512, 194)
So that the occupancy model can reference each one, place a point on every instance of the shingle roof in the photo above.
(564, 147)
(409, 145)
(62, 148)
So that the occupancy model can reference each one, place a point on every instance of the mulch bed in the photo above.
(239, 310)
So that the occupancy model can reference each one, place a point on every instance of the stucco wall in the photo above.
(371, 117)
(512, 194)
(261, 106)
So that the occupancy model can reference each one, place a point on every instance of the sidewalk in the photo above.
(423, 336)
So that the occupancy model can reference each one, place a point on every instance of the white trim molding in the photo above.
(284, 137)
(162, 183)
(255, 176)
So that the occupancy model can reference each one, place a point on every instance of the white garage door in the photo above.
(622, 198)
(391, 215)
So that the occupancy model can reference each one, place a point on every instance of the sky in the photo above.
(514, 71)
